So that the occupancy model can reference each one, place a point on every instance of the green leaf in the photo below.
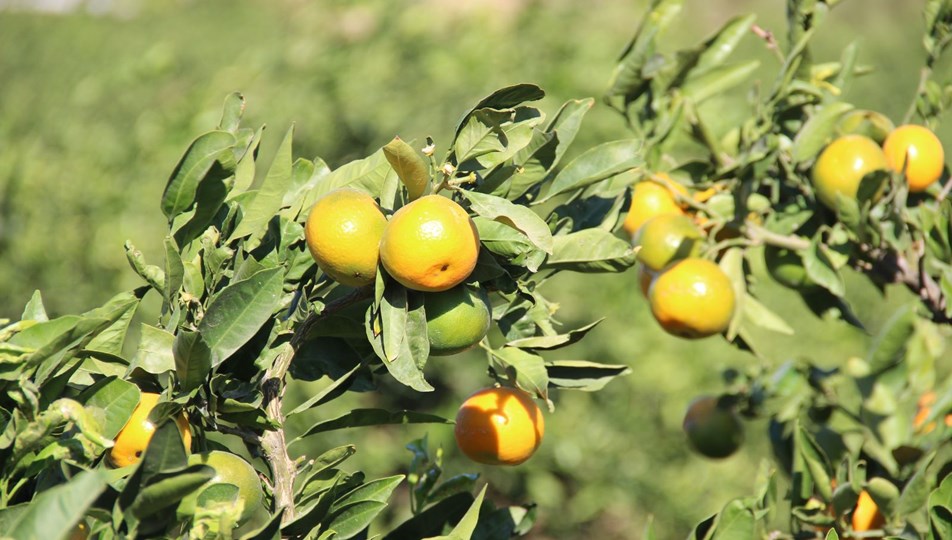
(116, 399)
(368, 174)
(590, 250)
(466, 526)
(193, 359)
(154, 354)
(516, 216)
(816, 462)
(556, 341)
(399, 336)
(736, 521)
(54, 512)
(269, 198)
(940, 509)
(526, 369)
(890, 343)
(594, 165)
(821, 270)
(120, 310)
(915, 494)
(582, 374)
(760, 315)
(492, 136)
(627, 79)
(717, 80)
(566, 124)
(326, 394)
(373, 417)
(153, 275)
(169, 490)
(378, 490)
(231, 112)
(350, 520)
(815, 133)
(34, 309)
(202, 154)
(724, 42)
(514, 247)
(239, 310)
(503, 98)
(410, 167)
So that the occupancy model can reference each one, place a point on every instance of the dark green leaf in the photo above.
(528, 368)
(373, 417)
(583, 375)
(154, 354)
(504, 98)
(237, 313)
(594, 165)
(270, 196)
(193, 359)
(54, 512)
(554, 341)
(590, 250)
(350, 520)
(116, 399)
(204, 152)
(517, 216)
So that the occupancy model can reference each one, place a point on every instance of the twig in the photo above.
(273, 442)
(769, 39)
(760, 235)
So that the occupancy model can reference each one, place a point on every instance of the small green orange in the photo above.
(667, 238)
(456, 319)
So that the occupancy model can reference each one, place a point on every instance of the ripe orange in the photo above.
(843, 164)
(430, 244)
(667, 238)
(652, 198)
(343, 233)
(499, 426)
(229, 469)
(866, 515)
(693, 298)
(134, 437)
(713, 429)
(917, 152)
(456, 319)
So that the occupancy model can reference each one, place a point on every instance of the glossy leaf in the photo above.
(590, 250)
(516, 216)
(54, 512)
(582, 374)
(198, 161)
(594, 165)
(238, 312)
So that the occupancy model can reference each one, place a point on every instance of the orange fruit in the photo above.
(499, 426)
(693, 298)
(667, 238)
(343, 232)
(651, 198)
(229, 469)
(843, 164)
(645, 277)
(917, 152)
(713, 429)
(134, 437)
(430, 244)
(456, 319)
(866, 515)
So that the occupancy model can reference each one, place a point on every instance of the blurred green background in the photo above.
(99, 100)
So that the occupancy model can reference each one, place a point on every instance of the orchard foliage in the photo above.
(244, 306)
(842, 431)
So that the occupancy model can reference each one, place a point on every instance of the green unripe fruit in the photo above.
(229, 469)
(666, 239)
(713, 429)
(456, 319)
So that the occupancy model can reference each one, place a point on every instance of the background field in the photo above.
(98, 102)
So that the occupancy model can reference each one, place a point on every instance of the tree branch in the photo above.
(274, 442)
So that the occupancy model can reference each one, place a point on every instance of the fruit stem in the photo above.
(760, 235)
(274, 442)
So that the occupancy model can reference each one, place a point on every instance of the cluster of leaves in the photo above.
(244, 305)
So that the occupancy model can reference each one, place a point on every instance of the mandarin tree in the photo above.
(357, 278)
(828, 200)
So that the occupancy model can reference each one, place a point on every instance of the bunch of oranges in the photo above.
(689, 296)
(429, 245)
(911, 150)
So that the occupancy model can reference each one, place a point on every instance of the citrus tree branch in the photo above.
(273, 442)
